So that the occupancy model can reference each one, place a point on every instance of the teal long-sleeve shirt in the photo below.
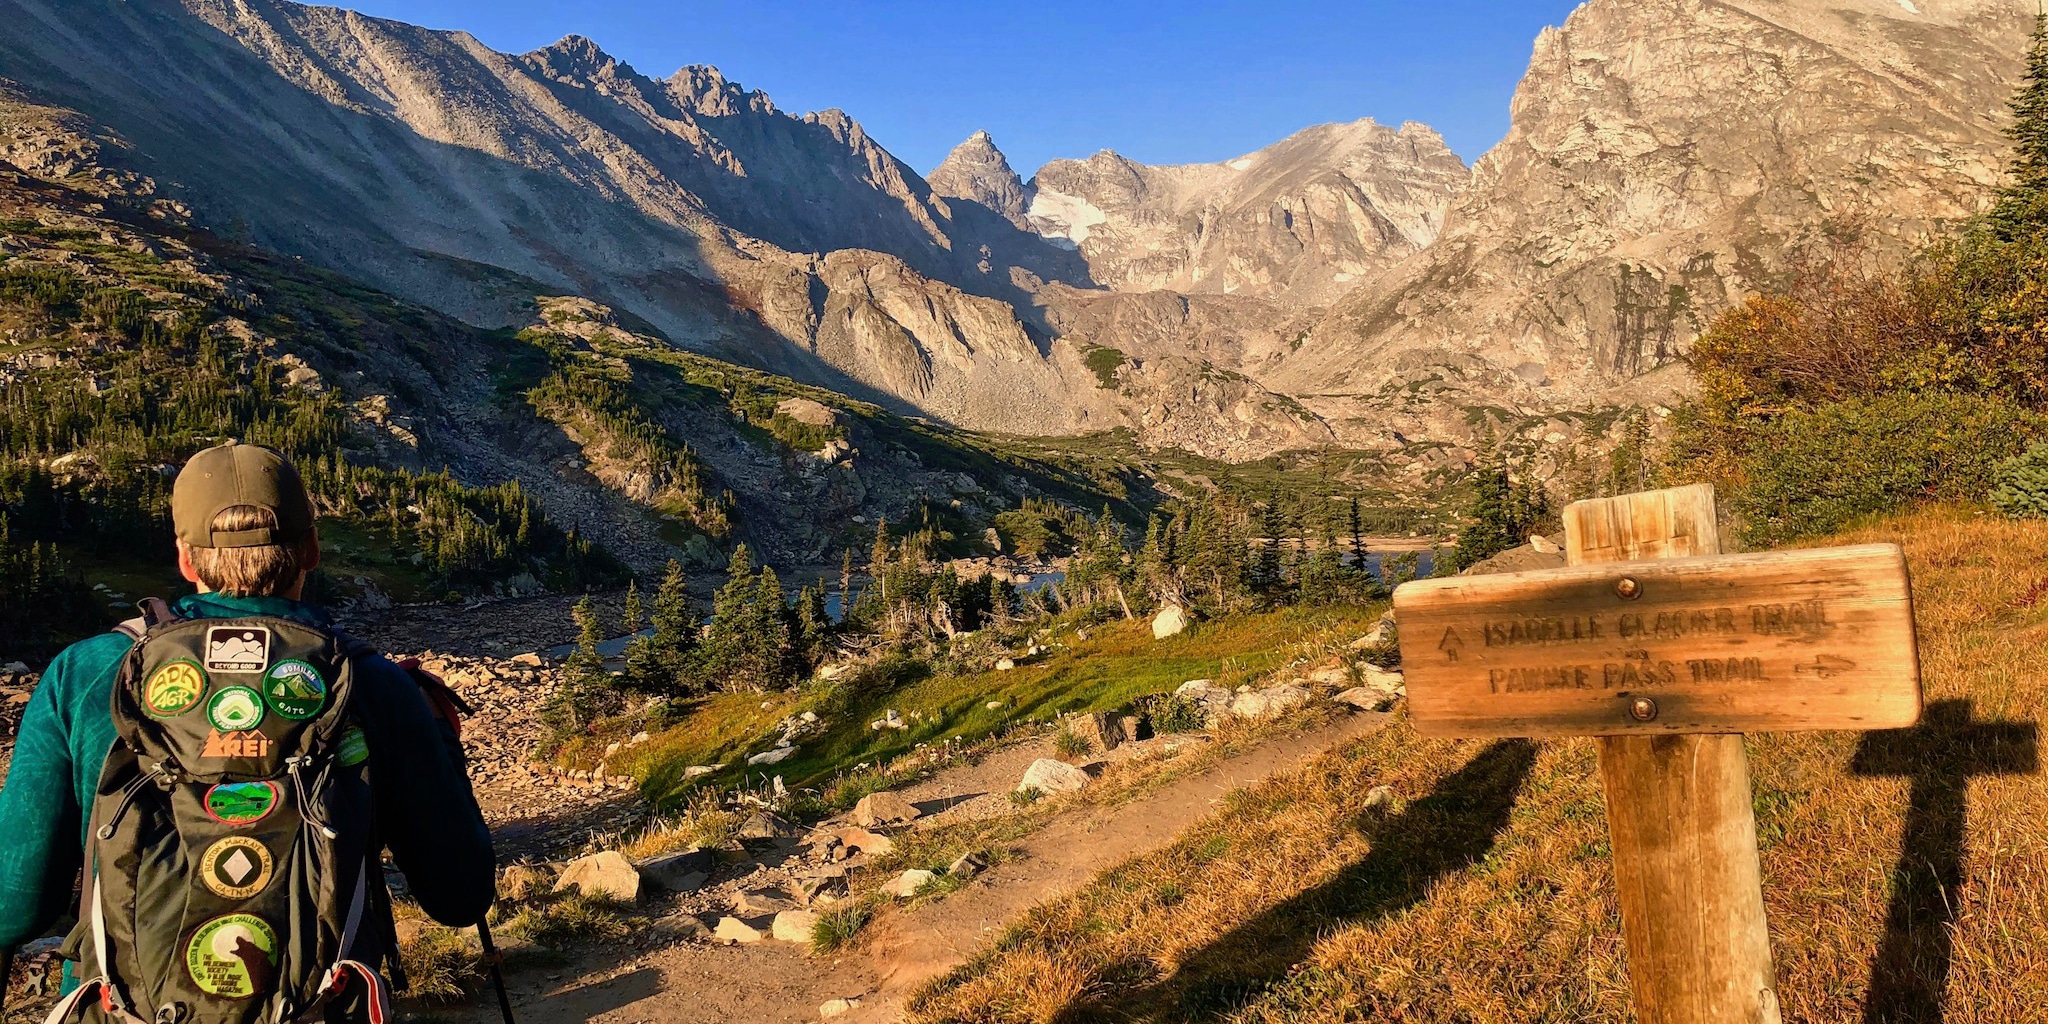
(425, 811)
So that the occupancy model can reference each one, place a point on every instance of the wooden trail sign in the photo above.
(1667, 660)
(1780, 641)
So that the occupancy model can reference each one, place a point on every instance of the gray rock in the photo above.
(1049, 776)
(906, 885)
(794, 926)
(879, 809)
(608, 874)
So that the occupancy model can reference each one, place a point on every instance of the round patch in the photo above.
(174, 688)
(353, 749)
(241, 803)
(235, 709)
(295, 689)
(233, 956)
(237, 867)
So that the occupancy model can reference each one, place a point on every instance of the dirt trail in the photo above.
(774, 983)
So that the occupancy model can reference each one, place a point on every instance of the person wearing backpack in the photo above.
(216, 781)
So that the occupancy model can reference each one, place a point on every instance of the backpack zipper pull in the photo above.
(306, 812)
(128, 794)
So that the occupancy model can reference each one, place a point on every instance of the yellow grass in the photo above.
(1906, 873)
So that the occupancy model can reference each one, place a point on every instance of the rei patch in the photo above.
(295, 689)
(251, 745)
(237, 867)
(233, 956)
(235, 709)
(237, 648)
(241, 803)
(173, 689)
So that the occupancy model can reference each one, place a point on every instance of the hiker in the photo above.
(263, 764)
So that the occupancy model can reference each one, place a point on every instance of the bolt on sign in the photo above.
(1667, 651)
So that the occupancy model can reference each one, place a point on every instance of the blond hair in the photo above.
(266, 570)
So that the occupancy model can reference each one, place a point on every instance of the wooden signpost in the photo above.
(1668, 651)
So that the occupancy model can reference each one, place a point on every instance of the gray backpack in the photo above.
(230, 864)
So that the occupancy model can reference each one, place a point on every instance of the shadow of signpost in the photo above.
(1451, 828)
(1909, 974)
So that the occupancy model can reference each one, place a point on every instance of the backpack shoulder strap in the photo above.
(154, 611)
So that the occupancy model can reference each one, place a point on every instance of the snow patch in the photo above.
(1910, 6)
(1240, 163)
(1058, 215)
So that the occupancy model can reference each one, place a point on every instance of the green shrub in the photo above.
(837, 925)
(1171, 713)
(2022, 484)
(1068, 744)
(1811, 472)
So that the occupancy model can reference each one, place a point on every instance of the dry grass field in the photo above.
(1906, 873)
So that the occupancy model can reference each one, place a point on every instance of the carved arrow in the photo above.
(1826, 666)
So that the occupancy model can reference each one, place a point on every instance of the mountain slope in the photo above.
(1665, 158)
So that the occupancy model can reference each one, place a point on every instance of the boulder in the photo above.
(878, 809)
(764, 825)
(906, 885)
(733, 931)
(1382, 680)
(1049, 776)
(822, 888)
(807, 411)
(762, 903)
(1171, 621)
(1364, 698)
(608, 874)
(968, 866)
(775, 756)
(860, 840)
(685, 871)
(794, 926)
(1102, 730)
(1005, 664)
(700, 770)
(831, 1008)
(683, 926)
(1269, 702)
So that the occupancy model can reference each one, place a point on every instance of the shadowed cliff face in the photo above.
(1666, 157)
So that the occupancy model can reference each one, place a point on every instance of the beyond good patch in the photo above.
(251, 745)
(233, 956)
(173, 689)
(235, 709)
(237, 867)
(241, 803)
(295, 689)
(237, 648)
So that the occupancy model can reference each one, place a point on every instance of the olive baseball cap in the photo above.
(239, 474)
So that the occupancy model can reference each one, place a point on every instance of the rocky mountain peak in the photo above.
(703, 89)
(978, 172)
(574, 56)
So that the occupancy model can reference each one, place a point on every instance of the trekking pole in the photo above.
(495, 961)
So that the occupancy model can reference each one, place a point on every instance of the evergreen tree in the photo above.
(672, 646)
(629, 623)
(2022, 204)
(1493, 515)
(585, 692)
(748, 644)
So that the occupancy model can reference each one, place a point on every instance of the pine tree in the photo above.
(2023, 203)
(1494, 519)
(584, 693)
(629, 623)
(672, 646)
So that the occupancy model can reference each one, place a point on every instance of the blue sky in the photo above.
(1159, 82)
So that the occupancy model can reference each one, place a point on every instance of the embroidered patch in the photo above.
(241, 803)
(237, 867)
(237, 648)
(295, 689)
(233, 956)
(251, 745)
(235, 709)
(173, 689)
(353, 749)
